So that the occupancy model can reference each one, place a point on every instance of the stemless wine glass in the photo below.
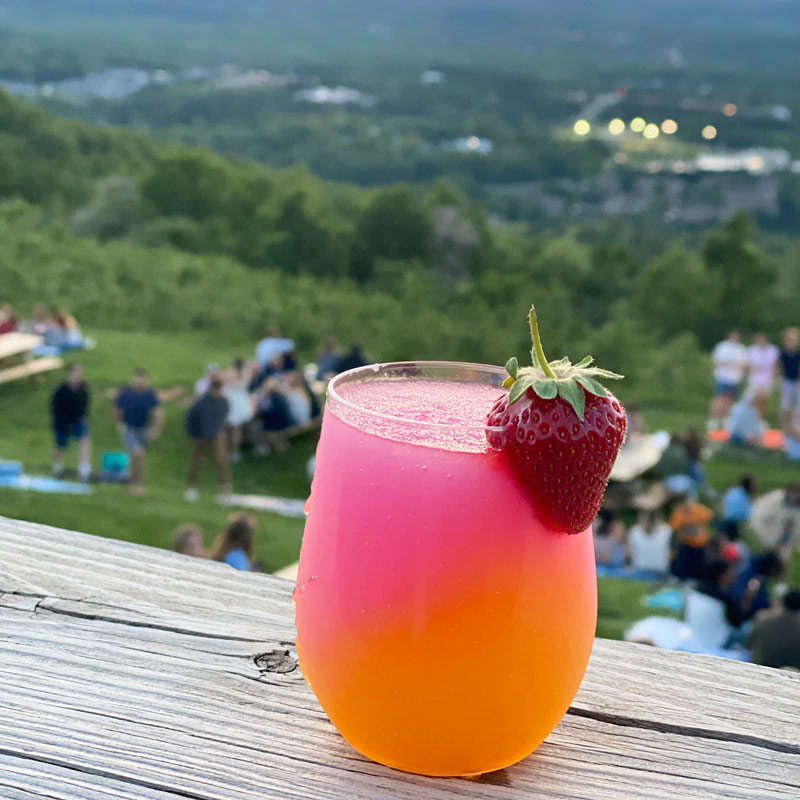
(442, 628)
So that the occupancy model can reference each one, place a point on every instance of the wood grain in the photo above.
(127, 672)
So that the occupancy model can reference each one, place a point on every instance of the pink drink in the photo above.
(443, 630)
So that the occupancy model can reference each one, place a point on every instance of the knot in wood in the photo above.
(281, 661)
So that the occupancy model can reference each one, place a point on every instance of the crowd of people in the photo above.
(262, 402)
(745, 379)
(680, 540)
(58, 328)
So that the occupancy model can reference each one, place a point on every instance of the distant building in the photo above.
(755, 160)
(431, 76)
(339, 95)
(474, 144)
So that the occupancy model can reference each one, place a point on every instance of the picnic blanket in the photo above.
(41, 483)
(771, 440)
(277, 505)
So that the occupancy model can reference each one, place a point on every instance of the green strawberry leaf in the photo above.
(545, 388)
(584, 362)
(602, 373)
(509, 381)
(521, 385)
(592, 386)
(511, 367)
(573, 394)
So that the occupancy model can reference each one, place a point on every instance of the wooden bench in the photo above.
(30, 368)
(21, 344)
(16, 343)
(132, 673)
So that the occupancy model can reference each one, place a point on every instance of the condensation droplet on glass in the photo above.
(424, 467)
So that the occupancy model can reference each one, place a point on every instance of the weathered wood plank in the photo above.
(132, 673)
(17, 342)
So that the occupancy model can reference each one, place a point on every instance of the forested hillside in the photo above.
(130, 235)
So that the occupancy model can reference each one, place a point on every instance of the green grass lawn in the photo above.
(110, 511)
(178, 360)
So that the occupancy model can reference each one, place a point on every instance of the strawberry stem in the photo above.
(533, 321)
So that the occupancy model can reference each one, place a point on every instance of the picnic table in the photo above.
(128, 672)
(22, 344)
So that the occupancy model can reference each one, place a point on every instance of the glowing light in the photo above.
(638, 124)
(754, 163)
(582, 127)
(709, 132)
(729, 109)
(473, 142)
(651, 131)
(616, 127)
(669, 126)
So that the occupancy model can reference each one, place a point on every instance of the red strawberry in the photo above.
(562, 431)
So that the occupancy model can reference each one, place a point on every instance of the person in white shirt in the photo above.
(648, 544)
(762, 356)
(730, 363)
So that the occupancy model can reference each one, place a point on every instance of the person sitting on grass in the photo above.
(69, 407)
(235, 546)
(774, 640)
(689, 521)
(737, 505)
(140, 419)
(609, 540)
(276, 417)
(648, 542)
(64, 333)
(328, 359)
(205, 424)
(188, 541)
(41, 320)
(750, 591)
(744, 425)
(8, 319)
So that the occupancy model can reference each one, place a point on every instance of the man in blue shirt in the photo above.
(140, 419)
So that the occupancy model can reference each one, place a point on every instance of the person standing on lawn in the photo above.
(69, 407)
(140, 419)
(730, 362)
(788, 369)
(205, 424)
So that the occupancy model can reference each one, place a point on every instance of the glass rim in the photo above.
(374, 369)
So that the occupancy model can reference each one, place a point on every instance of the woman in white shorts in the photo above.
(762, 356)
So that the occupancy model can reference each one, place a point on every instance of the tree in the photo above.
(395, 226)
(114, 211)
(675, 293)
(747, 277)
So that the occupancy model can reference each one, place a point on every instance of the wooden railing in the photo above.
(128, 672)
